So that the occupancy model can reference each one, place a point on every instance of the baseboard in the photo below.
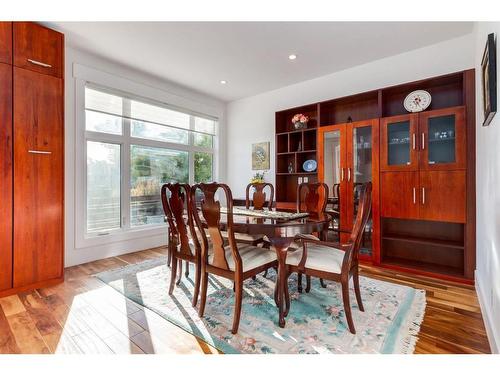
(84, 255)
(489, 321)
(37, 285)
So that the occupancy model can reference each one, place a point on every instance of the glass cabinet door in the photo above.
(362, 170)
(442, 139)
(333, 173)
(398, 143)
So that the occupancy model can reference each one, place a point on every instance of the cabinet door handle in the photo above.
(39, 63)
(414, 195)
(423, 195)
(414, 141)
(423, 141)
(40, 152)
(348, 174)
(342, 174)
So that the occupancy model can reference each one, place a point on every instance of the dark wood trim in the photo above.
(470, 227)
(37, 285)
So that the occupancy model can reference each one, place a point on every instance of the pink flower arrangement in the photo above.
(299, 117)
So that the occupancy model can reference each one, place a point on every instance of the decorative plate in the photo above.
(310, 165)
(417, 101)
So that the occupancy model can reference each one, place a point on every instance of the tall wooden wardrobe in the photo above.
(31, 156)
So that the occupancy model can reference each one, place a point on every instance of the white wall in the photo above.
(151, 87)
(487, 199)
(251, 120)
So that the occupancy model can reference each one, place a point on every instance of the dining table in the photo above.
(281, 229)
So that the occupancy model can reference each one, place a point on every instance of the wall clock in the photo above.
(417, 101)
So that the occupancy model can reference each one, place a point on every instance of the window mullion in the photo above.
(125, 186)
(191, 153)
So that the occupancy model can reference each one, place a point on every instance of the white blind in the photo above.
(103, 102)
(154, 113)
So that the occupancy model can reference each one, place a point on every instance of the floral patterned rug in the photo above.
(315, 323)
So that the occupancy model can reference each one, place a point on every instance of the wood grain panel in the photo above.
(396, 195)
(470, 227)
(5, 176)
(444, 196)
(40, 44)
(38, 199)
(6, 42)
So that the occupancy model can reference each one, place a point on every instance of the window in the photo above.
(134, 146)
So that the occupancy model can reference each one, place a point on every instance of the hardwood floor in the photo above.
(84, 315)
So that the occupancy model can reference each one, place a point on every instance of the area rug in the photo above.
(315, 324)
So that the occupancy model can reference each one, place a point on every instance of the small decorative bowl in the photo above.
(310, 165)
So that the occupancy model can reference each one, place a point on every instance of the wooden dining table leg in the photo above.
(281, 244)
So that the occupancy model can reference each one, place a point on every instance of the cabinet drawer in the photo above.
(6, 42)
(38, 48)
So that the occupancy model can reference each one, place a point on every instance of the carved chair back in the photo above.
(259, 195)
(312, 198)
(336, 190)
(363, 214)
(210, 208)
(175, 200)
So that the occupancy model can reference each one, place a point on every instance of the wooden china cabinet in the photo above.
(32, 156)
(348, 156)
(422, 166)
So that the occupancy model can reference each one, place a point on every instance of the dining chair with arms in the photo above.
(235, 261)
(334, 261)
(311, 198)
(182, 243)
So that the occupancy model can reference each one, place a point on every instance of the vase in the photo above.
(300, 125)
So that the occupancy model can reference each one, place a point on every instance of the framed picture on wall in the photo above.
(260, 156)
(489, 75)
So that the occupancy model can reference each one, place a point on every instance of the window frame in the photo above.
(125, 140)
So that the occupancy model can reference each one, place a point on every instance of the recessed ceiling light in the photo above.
(222, 82)
(292, 57)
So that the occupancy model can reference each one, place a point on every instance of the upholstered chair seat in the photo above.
(246, 238)
(319, 258)
(251, 256)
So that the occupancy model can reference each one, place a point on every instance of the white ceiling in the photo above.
(251, 56)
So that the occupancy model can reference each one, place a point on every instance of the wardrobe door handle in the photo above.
(342, 174)
(414, 195)
(414, 141)
(423, 195)
(348, 174)
(40, 152)
(423, 141)
(39, 63)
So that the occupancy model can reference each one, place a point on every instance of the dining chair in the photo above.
(259, 195)
(333, 210)
(335, 261)
(311, 198)
(258, 203)
(336, 194)
(236, 262)
(182, 243)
